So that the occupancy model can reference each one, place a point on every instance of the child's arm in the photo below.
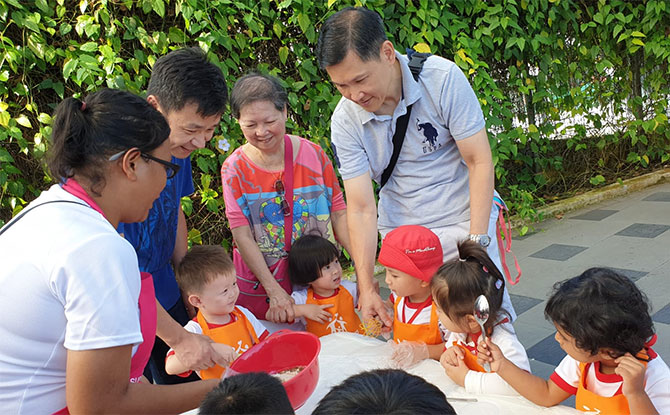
(391, 312)
(435, 351)
(452, 360)
(537, 390)
(492, 383)
(313, 312)
(632, 371)
(174, 366)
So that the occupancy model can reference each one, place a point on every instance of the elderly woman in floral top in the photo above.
(272, 182)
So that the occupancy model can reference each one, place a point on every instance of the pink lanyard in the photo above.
(288, 175)
(72, 187)
(505, 228)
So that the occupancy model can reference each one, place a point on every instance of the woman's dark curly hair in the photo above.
(601, 309)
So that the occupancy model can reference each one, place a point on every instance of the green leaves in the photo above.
(303, 21)
(597, 180)
(283, 54)
(541, 69)
(89, 47)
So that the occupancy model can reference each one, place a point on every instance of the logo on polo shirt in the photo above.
(430, 134)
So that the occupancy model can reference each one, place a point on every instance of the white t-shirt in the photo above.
(505, 338)
(69, 282)
(656, 379)
(300, 295)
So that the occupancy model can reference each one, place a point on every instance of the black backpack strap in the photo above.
(416, 61)
(398, 139)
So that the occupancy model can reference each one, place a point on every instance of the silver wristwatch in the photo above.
(483, 240)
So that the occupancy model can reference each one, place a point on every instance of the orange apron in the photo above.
(470, 359)
(343, 317)
(239, 334)
(425, 333)
(586, 400)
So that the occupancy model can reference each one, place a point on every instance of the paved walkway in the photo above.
(630, 234)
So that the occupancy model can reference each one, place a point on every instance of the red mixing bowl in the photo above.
(284, 350)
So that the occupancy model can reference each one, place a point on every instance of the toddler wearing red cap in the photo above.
(412, 254)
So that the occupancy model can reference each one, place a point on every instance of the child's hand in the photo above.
(453, 362)
(318, 312)
(227, 352)
(632, 371)
(452, 356)
(489, 352)
(406, 354)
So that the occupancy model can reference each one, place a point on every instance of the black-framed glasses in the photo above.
(279, 188)
(171, 169)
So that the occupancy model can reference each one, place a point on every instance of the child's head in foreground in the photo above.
(247, 393)
(599, 313)
(314, 261)
(459, 282)
(207, 276)
(411, 255)
(384, 391)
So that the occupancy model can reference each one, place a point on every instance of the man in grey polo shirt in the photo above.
(443, 178)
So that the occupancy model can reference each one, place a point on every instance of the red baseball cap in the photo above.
(412, 249)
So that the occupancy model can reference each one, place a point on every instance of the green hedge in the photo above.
(532, 63)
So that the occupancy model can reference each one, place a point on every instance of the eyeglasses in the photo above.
(171, 169)
(279, 188)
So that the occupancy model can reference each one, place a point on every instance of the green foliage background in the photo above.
(532, 63)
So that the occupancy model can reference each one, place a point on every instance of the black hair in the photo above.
(384, 391)
(185, 76)
(86, 133)
(459, 282)
(601, 309)
(308, 255)
(257, 87)
(247, 393)
(352, 28)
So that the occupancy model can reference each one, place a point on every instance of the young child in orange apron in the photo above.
(207, 276)
(603, 324)
(328, 302)
(455, 287)
(411, 255)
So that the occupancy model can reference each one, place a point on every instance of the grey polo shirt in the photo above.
(429, 185)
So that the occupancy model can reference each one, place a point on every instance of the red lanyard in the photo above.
(425, 304)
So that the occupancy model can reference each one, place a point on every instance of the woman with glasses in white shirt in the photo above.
(78, 318)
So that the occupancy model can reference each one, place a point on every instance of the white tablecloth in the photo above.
(346, 354)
